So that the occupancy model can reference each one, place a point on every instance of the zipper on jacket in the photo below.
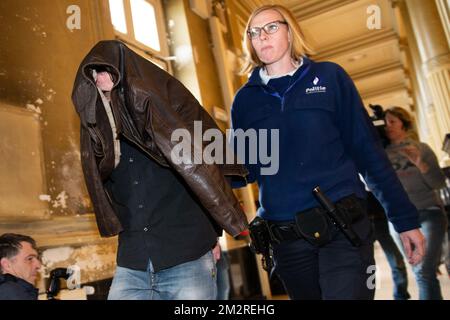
(301, 76)
(282, 98)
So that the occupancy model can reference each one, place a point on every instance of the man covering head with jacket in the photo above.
(168, 214)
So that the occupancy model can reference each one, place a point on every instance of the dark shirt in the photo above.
(162, 219)
(13, 288)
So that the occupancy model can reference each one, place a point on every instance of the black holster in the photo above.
(261, 240)
(342, 214)
(318, 225)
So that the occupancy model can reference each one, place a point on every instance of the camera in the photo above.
(54, 284)
(379, 122)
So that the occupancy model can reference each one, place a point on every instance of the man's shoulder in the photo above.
(7, 278)
(12, 288)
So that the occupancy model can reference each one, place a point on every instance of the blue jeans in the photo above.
(393, 256)
(192, 280)
(434, 225)
(223, 277)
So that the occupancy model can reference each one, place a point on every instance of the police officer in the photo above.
(325, 139)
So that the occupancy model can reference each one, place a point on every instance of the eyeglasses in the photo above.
(268, 28)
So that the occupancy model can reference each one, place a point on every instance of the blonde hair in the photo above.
(299, 47)
(406, 119)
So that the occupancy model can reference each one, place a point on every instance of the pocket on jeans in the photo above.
(209, 263)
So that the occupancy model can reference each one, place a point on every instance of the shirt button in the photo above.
(131, 159)
(136, 182)
(140, 206)
(145, 229)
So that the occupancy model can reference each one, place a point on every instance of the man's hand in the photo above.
(104, 81)
(414, 244)
(216, 251)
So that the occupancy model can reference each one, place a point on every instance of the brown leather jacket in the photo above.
(147, 104)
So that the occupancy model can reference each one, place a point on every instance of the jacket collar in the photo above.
(255, 78)
(107, 55)
(25, 284)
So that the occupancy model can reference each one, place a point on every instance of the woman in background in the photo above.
(417, 167)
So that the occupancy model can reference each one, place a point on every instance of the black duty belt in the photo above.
(284, 231)
(350, 206)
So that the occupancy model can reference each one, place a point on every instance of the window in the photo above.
(144, 23)
(118, 15)
(140, 24)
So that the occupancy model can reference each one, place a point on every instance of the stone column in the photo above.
(424, 109)
(435, 57)
(443, 7)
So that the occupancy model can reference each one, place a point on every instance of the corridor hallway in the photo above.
(395, 51)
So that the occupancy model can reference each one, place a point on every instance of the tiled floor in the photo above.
(384, 291)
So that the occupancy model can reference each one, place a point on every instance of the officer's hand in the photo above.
(414, 244)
